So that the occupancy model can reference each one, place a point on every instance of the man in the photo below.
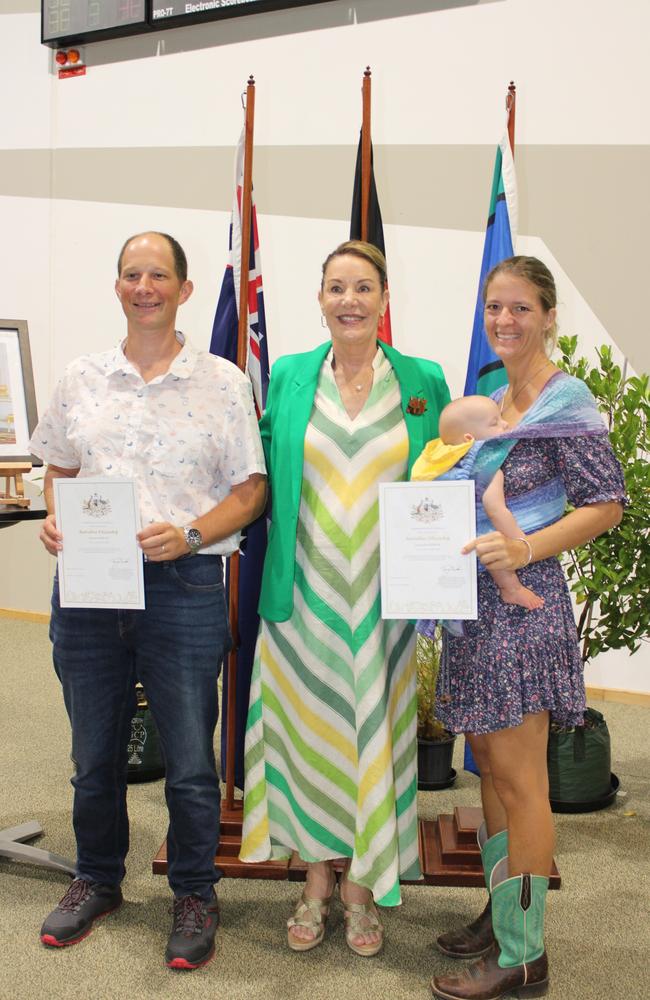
(181, 423)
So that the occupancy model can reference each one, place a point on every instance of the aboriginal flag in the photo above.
(375, 229)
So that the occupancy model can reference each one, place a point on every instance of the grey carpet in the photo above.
(598, 926)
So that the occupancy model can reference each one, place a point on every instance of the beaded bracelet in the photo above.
(522, 538)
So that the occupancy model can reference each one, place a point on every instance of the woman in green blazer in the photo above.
(330, 742)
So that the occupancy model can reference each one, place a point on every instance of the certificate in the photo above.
(100, 565)
(423, 527)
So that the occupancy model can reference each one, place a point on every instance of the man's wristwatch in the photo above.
(194, 539)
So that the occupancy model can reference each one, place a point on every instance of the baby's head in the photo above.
(471, 417)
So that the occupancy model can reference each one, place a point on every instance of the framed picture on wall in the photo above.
(18, 416)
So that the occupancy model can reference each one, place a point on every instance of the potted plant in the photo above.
(435, 743)
(610, 577)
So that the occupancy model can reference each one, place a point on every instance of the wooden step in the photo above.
(467, 820)
(435, 869)
(452, 849)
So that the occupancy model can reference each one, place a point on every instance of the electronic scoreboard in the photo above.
(68, 22)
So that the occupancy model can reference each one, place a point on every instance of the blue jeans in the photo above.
(174, 648)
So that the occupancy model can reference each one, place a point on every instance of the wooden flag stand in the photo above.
(449, 853)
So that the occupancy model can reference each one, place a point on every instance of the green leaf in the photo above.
(610, 575)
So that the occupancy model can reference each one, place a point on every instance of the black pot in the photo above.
(434, 763)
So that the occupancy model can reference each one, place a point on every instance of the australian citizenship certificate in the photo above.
(100, 565)
(423, 527)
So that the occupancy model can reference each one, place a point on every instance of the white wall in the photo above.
(617, 670)
(439, 76)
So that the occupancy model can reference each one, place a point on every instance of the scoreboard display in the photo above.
(68, 22)
(186, 11)
(89, 20)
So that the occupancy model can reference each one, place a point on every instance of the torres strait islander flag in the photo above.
(375, 229)
(485, 372)
(253, 547)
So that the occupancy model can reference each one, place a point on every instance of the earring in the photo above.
(323, 321)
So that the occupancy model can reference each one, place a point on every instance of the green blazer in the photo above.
(283, 428)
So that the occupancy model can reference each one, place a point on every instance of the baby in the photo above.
(462, 422)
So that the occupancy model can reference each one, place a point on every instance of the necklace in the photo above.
(358, 386)
(521, 389)
(342, 381)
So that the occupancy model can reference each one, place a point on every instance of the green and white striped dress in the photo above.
(330, 741)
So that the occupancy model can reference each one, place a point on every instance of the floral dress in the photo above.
(511, 661)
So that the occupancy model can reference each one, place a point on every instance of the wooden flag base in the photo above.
(449, 853)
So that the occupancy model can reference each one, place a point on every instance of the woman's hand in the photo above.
(162, 541)
(51, 538)
(496, 551)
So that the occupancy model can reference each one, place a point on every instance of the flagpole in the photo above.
(511, 107)
(365, 151)
(242, 337)
(242, 352)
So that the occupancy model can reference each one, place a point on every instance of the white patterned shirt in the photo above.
(186, 437)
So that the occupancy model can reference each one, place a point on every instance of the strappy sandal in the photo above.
(361, 918)
(310, 913)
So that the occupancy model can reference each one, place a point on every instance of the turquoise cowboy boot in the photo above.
(518, 916)
(517, 963)
(477, 938)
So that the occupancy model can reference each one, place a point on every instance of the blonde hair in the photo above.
(358, 248)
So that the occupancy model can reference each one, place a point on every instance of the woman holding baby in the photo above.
(517, 665)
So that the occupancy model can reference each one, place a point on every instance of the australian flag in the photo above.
(485, 372)
(224, 343)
